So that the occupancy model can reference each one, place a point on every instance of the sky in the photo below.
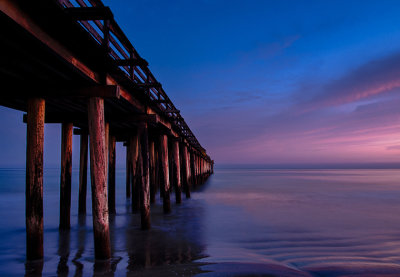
(269, 82)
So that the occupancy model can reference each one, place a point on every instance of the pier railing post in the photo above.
(66, 170)
(144, 176)
(83, 173)
(34, 179)
(111, 175)
(164, 172)
(176, 171)
(98, 178)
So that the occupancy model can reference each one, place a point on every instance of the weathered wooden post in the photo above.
(186, 170)
(198, 169)
(176, 171)
(65, 180)
(111, 175)
(164, 172)
(152, 168)
(83, 173)
(189, 168)
(195, 168)
(144, 176)
(107, 142)
(196, 159)
(202, 168)
(128, 170)
(192, 168)
(157, 164)
(34, 179)
(182, 165)
(134, 153)
(98, 178)
(170, 166)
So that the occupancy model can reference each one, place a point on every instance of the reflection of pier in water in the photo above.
(178, 240)
(172, 246)
(69, 62)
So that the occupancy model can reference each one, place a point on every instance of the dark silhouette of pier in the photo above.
(69, 62)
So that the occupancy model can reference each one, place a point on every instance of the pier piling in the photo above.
(144, 176)
(164, 173)
(98, 178)
(34, 179)
(176, 171)
(77, 71)
(186, 170)
(192, 169)
(66, 171)
(111, 175)
(83, 160)
(134, 150)
(128, 171)
(152, 168)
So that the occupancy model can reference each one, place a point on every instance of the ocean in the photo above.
(241, 222)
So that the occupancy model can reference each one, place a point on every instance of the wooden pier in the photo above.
(69, 62)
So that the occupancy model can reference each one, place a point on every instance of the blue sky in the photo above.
(268, 81)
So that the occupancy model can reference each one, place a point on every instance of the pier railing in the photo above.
(99, 22)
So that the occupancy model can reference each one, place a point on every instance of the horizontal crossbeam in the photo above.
(104, 91)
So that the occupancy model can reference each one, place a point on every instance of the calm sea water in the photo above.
(240, 222)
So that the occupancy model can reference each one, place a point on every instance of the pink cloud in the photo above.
(376, 77)
(393, 147)
(360, 135)
(352, 119)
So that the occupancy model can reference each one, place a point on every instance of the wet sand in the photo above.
(242, 222)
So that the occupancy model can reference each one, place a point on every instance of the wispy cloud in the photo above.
(393, 147)
(364, 131)
(373, 78)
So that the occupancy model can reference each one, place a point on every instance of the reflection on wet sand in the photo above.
(81, 240)
(34, 268)
(173, 246)
(247, 222)
(174, 241)
(63, 252)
